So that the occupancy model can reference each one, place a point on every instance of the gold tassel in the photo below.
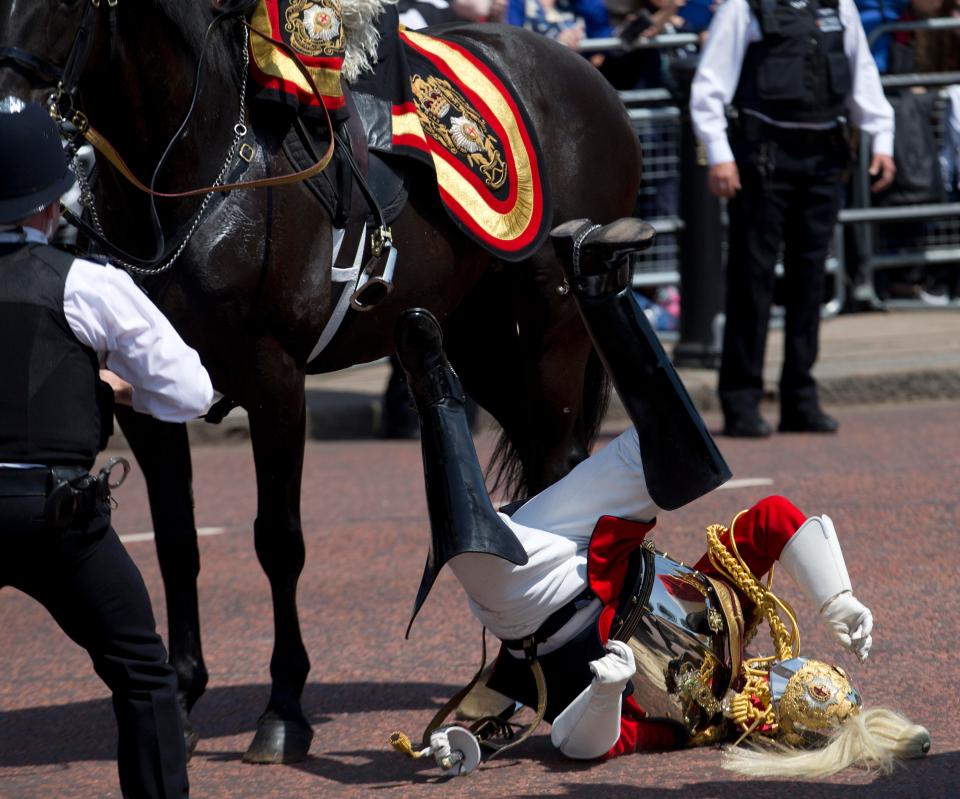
(401, 742)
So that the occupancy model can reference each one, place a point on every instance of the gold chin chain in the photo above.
(752, 708)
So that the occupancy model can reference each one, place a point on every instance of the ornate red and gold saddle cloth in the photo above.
(314, 30)
(447, 106)
(459, 116)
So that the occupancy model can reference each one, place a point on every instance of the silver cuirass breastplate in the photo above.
(678, 626)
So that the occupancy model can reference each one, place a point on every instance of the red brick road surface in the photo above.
(889, 480)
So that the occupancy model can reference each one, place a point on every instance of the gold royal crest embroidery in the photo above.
(315, 28)
(447, 117)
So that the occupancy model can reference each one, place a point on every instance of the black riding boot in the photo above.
(461, 516)
(680, 459)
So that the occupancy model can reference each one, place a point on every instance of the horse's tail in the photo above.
(508, 468)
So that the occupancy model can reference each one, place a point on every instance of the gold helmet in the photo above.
(811, 699)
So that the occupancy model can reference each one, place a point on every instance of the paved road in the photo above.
(889, 481)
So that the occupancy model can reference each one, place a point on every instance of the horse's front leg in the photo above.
(163, 452)
(277, 425)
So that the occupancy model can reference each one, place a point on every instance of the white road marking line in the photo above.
(748, 482)
(149, 535)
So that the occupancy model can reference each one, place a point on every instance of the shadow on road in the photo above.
(87, 731)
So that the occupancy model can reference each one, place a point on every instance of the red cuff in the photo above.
(639, 734)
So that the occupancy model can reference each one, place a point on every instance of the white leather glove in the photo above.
(850, 622)
(611, 672)
(590, 724)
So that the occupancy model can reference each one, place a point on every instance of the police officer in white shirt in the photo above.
(61, 320)
(795, 72)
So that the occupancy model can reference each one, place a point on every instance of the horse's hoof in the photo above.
(190, 735)
(279, 740)
(190, 739)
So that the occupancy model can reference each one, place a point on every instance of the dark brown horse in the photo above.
(252, 290)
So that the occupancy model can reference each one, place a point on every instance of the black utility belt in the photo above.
(69, 493)
(754, 128)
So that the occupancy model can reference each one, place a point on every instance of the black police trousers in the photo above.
(86, 580)
(791, 183)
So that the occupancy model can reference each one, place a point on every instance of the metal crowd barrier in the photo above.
(657, 121)
(891, 237)
(934, 236)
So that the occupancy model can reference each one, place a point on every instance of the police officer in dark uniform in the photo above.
(61, 320)
(795, 71)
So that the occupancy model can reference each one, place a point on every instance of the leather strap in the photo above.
(553, 623)
(100, 143)
(733, 616)
(541, 684)
(531, 652)
(42, 67)
(452, 703)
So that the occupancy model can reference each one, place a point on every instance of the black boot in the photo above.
(680, 459)
(462, 519)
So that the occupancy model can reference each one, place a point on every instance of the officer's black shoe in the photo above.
(746, 426)
(420, 350)
(815, 421)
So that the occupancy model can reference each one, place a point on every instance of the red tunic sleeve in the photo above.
(761, 534)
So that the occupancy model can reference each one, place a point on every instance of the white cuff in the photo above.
(718, 151)
(813, 558)
(883, 143)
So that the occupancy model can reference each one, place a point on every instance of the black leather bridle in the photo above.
(66, 77)
(61, 104)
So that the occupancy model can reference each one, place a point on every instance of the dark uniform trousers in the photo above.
(791, 182)
(84, 577)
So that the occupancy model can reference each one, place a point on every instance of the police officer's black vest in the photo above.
(798, 71)
(52, 403)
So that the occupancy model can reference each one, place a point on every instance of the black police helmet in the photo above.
(33, 167)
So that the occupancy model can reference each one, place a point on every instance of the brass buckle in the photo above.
(246, 152)
(80, 122)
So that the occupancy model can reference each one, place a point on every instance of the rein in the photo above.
(61, 105)
(100, 143)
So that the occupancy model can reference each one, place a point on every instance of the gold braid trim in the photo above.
(786, 643)
(729, 563)
(753, 706)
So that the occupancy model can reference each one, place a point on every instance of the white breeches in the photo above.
(554, 528)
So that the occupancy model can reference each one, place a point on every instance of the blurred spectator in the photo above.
(937, 50)
(661, 305)
(417, 14)
(950, 149)
(646, 68)
(567, 21)
(874, 13)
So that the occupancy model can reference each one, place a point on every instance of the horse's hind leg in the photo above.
(277, 426)
(163, 452)
(521, 351)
